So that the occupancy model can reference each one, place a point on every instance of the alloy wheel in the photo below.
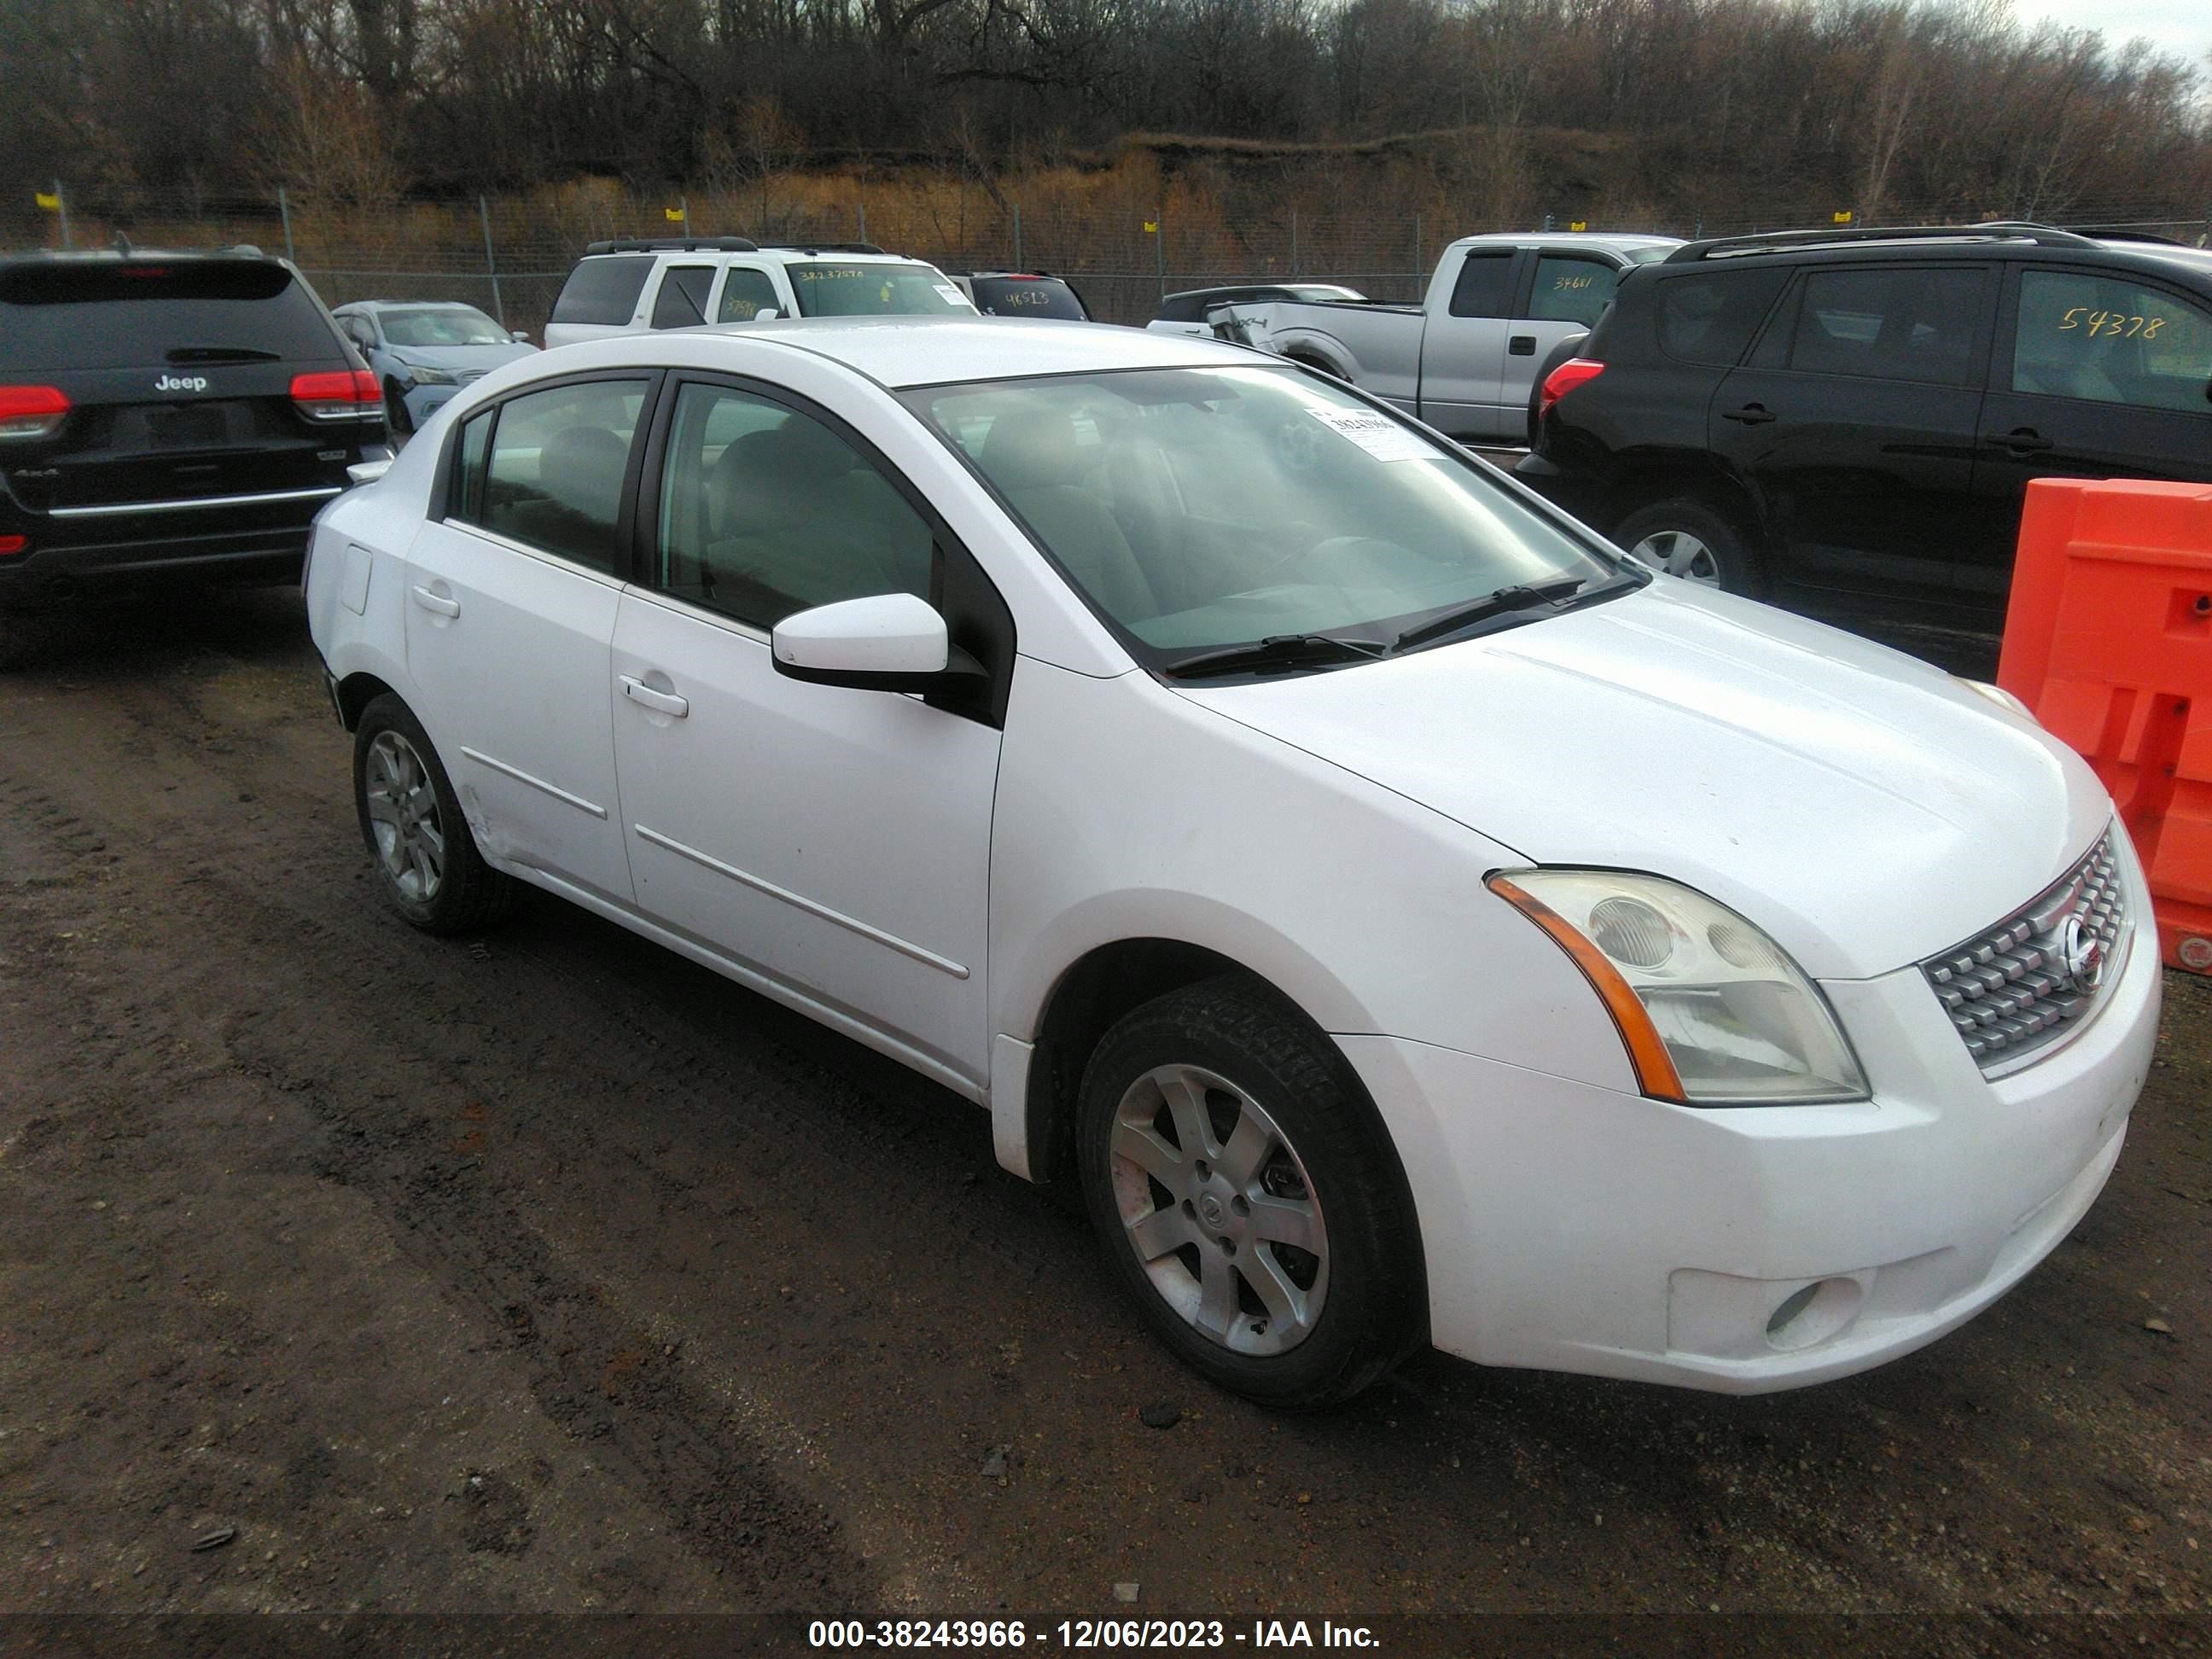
(1678, 553)
(403, 816)
(1219, 1210)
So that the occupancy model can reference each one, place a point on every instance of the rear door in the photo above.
(681, 301)
(2098, 374)
(1462, 384)
(1854, 422)
(510, 600)
(179, 379)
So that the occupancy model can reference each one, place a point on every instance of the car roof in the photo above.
(908, 351)
(1612, 241)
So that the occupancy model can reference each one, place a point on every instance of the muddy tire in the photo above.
(427, 862)
(1247, 1198)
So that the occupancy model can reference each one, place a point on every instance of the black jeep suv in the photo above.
(168, 416)
(1847, 421)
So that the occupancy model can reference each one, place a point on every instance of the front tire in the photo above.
(1246, 1199)
(427, 862)
(1686, 539)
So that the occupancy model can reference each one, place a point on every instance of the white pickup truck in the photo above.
(1465, 359)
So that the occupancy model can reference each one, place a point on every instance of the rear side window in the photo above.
(1480, 289)
(1888, 324)
(746, 293)
(1028, 296)
(603, 289)
(1710, 316)
(553, 477)
(140, 313)
(681, 301)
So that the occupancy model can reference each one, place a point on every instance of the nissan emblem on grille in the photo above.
(2018, 988)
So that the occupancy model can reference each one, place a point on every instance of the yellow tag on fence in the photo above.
(52, 202)
(676, 214)
(1151, 227)
(1578, 224)
(1843, 217)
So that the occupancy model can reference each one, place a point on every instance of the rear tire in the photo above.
(1686, 539)
(1247, 1197)
(427, 862)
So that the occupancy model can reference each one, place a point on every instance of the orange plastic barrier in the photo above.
(2109, 639)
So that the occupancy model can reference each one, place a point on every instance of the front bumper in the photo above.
(426, 400)
(1570, 1227)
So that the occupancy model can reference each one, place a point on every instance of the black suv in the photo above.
(1846, 422)
(168, 416)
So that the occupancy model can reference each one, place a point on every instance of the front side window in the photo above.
(858, 288)
(746, 293)
(765, 511)
(1200, 508)
(1571, 289)
(681, 301)
(1480, 289)
(2111, 340)
(553, 476)
(1889, 324)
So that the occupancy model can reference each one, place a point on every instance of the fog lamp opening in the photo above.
(1813, 1313)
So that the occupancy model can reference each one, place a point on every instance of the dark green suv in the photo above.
(1847, 421)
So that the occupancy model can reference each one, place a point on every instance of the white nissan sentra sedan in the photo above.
(1408, 919)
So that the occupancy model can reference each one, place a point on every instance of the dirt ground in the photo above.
(551, 1273)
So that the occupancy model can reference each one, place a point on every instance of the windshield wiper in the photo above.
(1525, 596)
(1276, 651)
(220, 354)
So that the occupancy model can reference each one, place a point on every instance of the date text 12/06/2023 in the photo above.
(1086, 1634)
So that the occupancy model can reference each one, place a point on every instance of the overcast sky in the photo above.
(2181, 27)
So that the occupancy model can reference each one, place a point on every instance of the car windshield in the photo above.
(860, 289)
(1202, 508)
(455, 325)
(1028, 296)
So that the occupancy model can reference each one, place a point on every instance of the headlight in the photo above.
(1997, 695)
(423, 376)
(1713, 1011)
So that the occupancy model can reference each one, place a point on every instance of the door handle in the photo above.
(437, 602)
(2022, 441)
(1749, 415)
(661, 703)
(1521, 345)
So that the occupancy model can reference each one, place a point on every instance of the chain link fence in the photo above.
(509, 255)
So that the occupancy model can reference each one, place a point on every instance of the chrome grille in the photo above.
(2009, 991)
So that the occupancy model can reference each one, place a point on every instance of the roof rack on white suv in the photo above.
(632, 284)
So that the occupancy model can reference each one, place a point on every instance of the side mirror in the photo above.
(519, 333)
(766, 314)
(367, 472)
(885, 643)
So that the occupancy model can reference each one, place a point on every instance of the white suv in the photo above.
(631, 286)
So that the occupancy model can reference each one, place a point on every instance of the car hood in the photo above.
(1865, 809)
(478, 357)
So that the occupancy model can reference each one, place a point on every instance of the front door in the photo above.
(510, 605)
(1854, 422)
(834, 842)
(1463, 350)
(2102, 374)
(1568, 291)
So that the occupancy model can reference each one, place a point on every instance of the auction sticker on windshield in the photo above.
(1381, 437)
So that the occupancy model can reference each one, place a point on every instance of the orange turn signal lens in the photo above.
(1647, 1052)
